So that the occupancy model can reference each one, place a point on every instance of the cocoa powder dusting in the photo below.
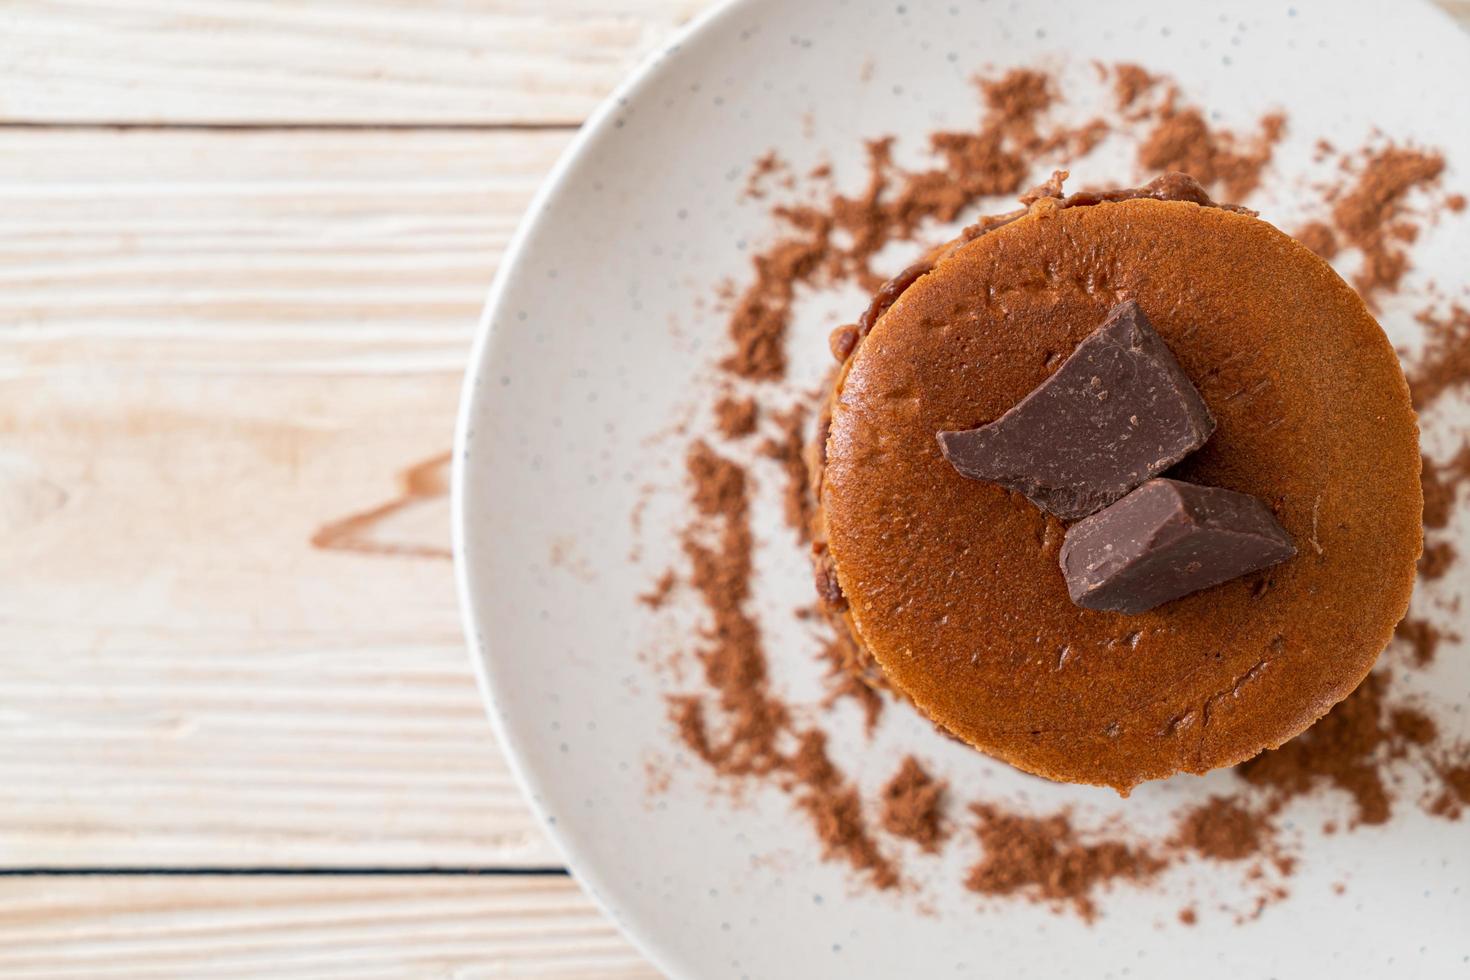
(1319, 237)
(1042, 859)
(1015, 100)
(737, 725)
(845, 680)
(1339, 751)
(1223, 829)
(837, 240)
(744, 739)
(1411, 726)
(836, 812)
(751, 725)
(1454, 794)
(1439, 483)
(1444, 364)
(789, 450)
(762, 313)
(1130, 82)
(1370, 216)
(1438, 558)
(767, 168)
(736, 418)
(662, 588)
(1423, 639)
(810, 764)
(837, 816)
(1183, 140)
(912, 806)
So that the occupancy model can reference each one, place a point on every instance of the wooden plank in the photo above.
(304, 238)
(231, 368)
(337, 927)
(279, 61)
(1458, 9)
(197, 673)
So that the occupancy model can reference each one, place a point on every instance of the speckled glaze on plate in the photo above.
(598, 336)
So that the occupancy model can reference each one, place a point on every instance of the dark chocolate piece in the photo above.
(824, 573)
(1165, 540)
(1118, 411)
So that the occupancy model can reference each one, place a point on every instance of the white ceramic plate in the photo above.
(598, 337)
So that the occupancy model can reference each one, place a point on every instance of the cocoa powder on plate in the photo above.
(1438, 558)
(1223, 829)
(788, 449)
(1444, 364)
(662, 588)
(1319, 237)
(736, 723)
(1183, 140)
(1423, 639)
(913, 805)
(1129, 82)
(736, 417)
(1045, 860)
(1371, 215)
(744, 738)
(1340, 751)
(836, 811)
(1440, 484)
(845, 679)
(1454, 794)
(836, 239)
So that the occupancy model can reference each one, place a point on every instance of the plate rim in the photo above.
(473, 615)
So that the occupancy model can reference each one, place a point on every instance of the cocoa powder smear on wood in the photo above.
(747, 735)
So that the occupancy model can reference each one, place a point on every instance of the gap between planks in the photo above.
(190, 126)
(286, 872)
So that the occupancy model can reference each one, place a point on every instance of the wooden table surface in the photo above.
(246, 243)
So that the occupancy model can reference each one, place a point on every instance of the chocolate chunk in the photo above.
(843, 341)
(824, 573)
(1165, 540)
(1118, 411)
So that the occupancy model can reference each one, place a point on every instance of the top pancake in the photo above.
(953, 584)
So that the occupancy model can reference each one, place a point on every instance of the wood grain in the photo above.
(342, 927)
(289, 242)
(368, 62)
(231, 367)
(405, 62)
(1458, 9)
(230, 364)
